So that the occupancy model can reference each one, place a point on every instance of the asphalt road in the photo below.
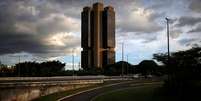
(88, 95)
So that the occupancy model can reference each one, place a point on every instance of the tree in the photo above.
(146, 67)
(5, 70)
(50, 68)
(184, 70)
(116, 69)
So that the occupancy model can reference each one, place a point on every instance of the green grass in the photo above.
(56, 96)
(142, 93)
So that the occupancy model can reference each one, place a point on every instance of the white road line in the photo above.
(135, 85)
(91, 90)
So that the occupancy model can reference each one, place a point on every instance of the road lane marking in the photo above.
(131, 86)
(91, 90)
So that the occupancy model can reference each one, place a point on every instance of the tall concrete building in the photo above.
(97, 36)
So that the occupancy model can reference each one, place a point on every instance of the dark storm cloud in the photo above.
(188, 21)
(128, 25)
(25, 24)
(8, 35)
(156, 15)
(196, 30)
(67, 7)
(74, 7)
(52, 27)
(13, 43)
(187, 41)
(195, 5)
(149, 40)
(158, 4)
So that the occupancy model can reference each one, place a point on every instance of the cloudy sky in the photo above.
(41, 30)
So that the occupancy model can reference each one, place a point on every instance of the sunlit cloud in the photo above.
(139, 20)
(60, 39)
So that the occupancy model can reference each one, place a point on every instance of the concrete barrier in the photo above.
(25, 91)
(28, 88)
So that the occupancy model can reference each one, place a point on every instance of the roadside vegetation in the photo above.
(56, 68)
(141, 93)
(184, 73)
(182, 83)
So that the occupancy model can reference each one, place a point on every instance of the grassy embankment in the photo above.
(141, 93)
(56, 96)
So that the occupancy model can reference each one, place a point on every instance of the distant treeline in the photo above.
(50, 68)
(56, 68)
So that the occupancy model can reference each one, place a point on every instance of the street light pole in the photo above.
(127, 64)
(168, 46)
(168, 39)
(73, 60)
(19, 66)
(1, 60)
(122, 69)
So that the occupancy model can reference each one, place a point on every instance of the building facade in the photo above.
(97, 36)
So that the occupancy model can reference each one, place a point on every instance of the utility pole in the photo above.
(127, 64)
(73, 60)
(79, 65)
(1, 61)
(19, 66)
(122, 69)
(0, 64)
